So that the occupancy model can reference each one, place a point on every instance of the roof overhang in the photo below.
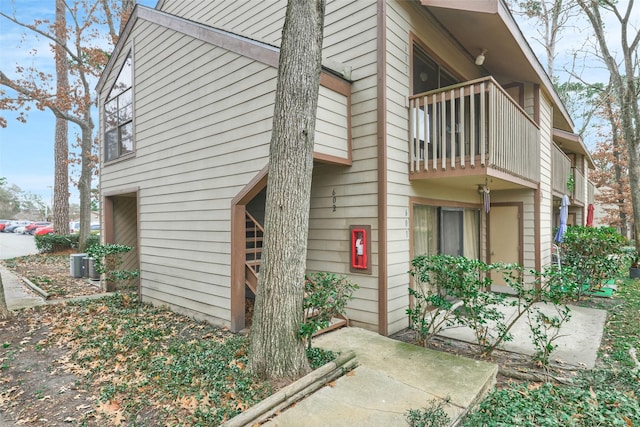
(572, 143)
(488, 24)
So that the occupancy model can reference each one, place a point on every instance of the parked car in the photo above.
(24, 230)
(11, 228)
(30, 229)
(74, 227)
(40, 231)
(4, 223)
(19, 230)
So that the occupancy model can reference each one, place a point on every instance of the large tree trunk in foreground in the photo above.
(4, 311)
(276, 348)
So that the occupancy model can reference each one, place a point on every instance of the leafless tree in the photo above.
(624, 77)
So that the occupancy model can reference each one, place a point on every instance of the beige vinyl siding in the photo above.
(332, 133)
(203, 119)
(403, 18)
(355, 186)
(546, 199)
(254, 19)
(203, 124)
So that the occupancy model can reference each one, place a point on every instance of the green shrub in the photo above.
(319, 357)
(453, 291)
(93, 239)
(432, 415)
(555, 285)
(108, 259)
(326, 296)
(50, 243)
(595, 254)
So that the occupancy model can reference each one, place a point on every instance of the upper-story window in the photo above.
(428, 74)
(118, 115)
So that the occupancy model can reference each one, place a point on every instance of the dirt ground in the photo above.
(38, 387)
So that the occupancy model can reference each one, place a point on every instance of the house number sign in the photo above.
(333, 200)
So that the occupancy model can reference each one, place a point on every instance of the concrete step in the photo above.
(392, 377)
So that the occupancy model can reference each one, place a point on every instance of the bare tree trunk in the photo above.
(127, 8)
(84, 183)
(4, 311)
(554, 16)
(624, 85)
(276, 348)
(125, 11)
(61, 146)
(617, 165)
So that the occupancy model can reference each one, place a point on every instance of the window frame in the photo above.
(118, 115)
(442, 206)
(418, 48)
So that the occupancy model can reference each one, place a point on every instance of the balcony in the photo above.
(474, 128)
(579, 187)
(591, 191)
(561, 172)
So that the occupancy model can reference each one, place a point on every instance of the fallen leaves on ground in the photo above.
(50, 272)
(115, 361)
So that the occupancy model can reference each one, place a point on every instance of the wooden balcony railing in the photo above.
(579, 188)
(561, 171)
(473, 124)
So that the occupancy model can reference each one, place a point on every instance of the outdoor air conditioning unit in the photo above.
(76, 265)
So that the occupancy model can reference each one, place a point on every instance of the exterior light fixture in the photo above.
(480, 58)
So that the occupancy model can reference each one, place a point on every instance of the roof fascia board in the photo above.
(484, 6)
(250, 48)
(507, 18)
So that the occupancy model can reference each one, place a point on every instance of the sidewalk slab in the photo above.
(578, 343)
(16, 293)
(392, 377)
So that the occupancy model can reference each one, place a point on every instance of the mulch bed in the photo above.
(51, 273)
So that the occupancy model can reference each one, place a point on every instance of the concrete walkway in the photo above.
(392, 377)
(578, 342)
(16, 293)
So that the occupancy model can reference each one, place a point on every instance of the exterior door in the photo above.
(504, 240)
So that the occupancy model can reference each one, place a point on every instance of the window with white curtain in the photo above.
(445, 230)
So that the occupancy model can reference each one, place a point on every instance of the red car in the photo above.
(4, 223)
(31, 228)
(39, 231)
